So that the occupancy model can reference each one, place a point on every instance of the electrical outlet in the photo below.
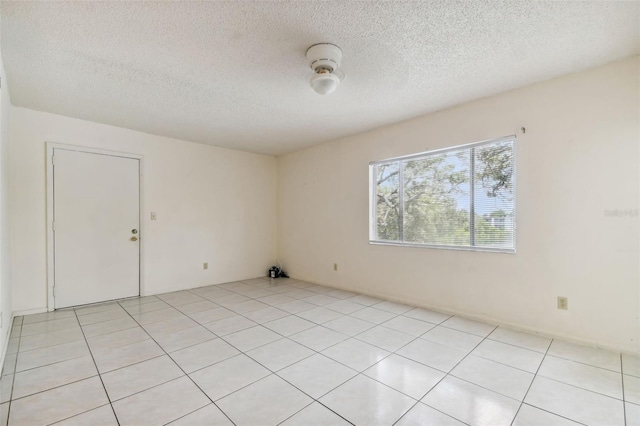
(563, 303)
(205, 265)
(335, 266)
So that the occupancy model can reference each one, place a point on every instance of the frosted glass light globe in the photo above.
(324, 83)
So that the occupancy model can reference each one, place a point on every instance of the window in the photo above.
(461, 197)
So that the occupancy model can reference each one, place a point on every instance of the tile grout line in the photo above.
(421, 336)
(545, 355)
(447, 374)
(122, 345)
(50, 319)
(435, 409)
(276, 372)
(261, 324)
(551, 412)
(271, 372)
(129, 365)
(355, 337)
(121, 368)
(290, 314)
(184, 372)
(58, 387)
(80, 328)
(191, 412)
(358, 373)
(418, 400)
(531, 384)
(351, 337)
(95, 375)
(115, 331)
(260, 285)
(152, 387)
(54, 344)
(584, 363)
(51, 363)
(581, 388)
(98, 371)
(396, 315)
(624, 401)
(315, 324)
(13, 379)
(487, 337)
(512, 344)
(276, 319)
(79, 414)
(309, 405)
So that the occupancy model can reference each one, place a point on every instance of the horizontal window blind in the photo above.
(493, 195)
(459, 197)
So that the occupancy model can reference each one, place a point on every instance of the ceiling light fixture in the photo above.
(324, 59)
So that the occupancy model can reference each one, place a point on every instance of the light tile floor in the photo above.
(266, 352)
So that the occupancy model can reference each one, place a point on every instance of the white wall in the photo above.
(578, 158)
(5, 272)
(214, 205)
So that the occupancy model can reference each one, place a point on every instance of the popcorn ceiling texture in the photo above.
(234, 74)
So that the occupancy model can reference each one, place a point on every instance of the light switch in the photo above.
(154, 216)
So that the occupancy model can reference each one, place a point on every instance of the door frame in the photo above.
(50, 148)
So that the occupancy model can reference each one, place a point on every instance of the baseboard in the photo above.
(173, 290)
(494, 321)
(8, 332)
(28, 312)
(514, 326)
(6, 342)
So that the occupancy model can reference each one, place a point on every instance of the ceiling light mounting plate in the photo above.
(324, 56)
(324, 59)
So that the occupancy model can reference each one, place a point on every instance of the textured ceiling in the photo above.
(234, 74)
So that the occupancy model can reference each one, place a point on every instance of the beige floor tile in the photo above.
(203, 355)
(228, 376)
(267, 402)
(317, 375)
(59, 403)
(141, 376)
(315, 414)
(53, 375)
(102, 416)
(209, 415)
(161, 404)
(471, 404)
(51, 354)
(123, 356)
(574, 403)
(363, 401)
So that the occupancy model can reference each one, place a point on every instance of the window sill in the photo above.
(443, 247)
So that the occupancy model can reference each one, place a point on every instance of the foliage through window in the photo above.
(461, 197)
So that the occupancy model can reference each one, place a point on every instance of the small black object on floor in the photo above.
(276, 272)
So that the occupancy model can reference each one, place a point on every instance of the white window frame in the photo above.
(373, 199)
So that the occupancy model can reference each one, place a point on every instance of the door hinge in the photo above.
(54, 291)
(53, 225)
(53, 159)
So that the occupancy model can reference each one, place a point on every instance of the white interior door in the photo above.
(96, 227)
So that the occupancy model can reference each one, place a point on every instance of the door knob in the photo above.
(134, 231)
(134, 238)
